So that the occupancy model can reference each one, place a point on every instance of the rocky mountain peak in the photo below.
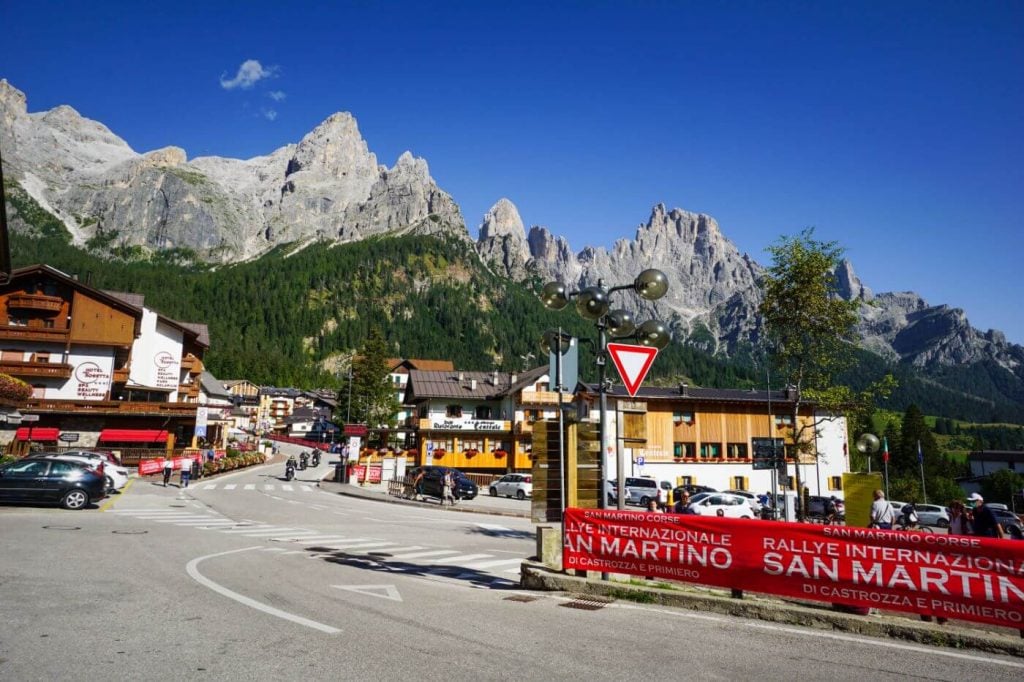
(849, 285)
(502, 240)
(12, 99)
(502, 220)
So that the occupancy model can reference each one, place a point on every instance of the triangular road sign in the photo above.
(633, 362)
(380, 591)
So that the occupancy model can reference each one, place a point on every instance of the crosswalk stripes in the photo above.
(269, 487)
(446, 563)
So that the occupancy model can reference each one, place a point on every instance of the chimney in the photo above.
(462, 376)
(494, 378)
(472, 384)
(791, 392)
(513, 379)
(682, 388)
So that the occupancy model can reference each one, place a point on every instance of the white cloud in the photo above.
(249, 73)
(269, 114)
(276, 95)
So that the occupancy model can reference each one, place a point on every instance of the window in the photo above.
(710, 450)
(783, 420)
(684, 450)
(530, 416)
(441, 444)
(736, 451)
(62, 468)
(483, 412)
(454, 411)
(740, 483)
(17, 321)
(38, 391)
(835, 482)
(472, 445)
(683, 417)
(41, 357)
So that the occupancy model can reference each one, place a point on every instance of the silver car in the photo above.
(932, 515)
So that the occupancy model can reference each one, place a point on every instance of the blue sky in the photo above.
(895, 128)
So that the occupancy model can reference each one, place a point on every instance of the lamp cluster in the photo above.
(594, 303)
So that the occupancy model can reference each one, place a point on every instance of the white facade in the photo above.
(820, 478)
(156, 355)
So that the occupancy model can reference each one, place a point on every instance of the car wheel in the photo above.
(520, 495)
(74, 499)
(494, 492)
(1014, 532)
(110, 483)
(744, 517)
(942, 523)
(644, 500)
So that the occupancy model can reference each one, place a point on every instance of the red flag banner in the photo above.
(150, 466)
(950, 576)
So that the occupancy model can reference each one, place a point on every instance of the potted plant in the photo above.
(438, 453)
(500, 453)
(472, 452)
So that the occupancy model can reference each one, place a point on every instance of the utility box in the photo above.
(788, 511)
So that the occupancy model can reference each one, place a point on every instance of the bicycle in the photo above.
(903, 524)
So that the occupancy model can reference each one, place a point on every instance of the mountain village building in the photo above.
(105, 370)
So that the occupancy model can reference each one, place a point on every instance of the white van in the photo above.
(642, 490)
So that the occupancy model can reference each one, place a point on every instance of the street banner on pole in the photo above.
(633, 363)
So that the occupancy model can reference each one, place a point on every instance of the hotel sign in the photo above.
(445, 424)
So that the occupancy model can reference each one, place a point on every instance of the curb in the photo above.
(539, 577)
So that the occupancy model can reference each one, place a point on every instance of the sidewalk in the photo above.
(481, 504)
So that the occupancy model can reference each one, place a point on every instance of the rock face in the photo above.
(329, 186)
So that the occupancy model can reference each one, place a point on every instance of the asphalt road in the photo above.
(239, 577)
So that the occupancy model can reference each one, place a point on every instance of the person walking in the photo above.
(448, 488)
(882, 515)
(168, 469)
(417, 486)
(985, 523)
(186, 472)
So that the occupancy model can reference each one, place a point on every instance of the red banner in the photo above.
(148, 467)
(375, 472)
(950, 576)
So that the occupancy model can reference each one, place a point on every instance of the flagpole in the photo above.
(920, 463)
(885, 460)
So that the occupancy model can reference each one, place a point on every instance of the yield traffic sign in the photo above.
(633, 363)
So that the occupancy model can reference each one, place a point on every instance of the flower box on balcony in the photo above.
(500, 453)
(438, 454)
(472, 453)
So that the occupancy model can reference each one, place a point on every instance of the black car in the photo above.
(691, 490)
(433, 481)
(1010, 522)
(72, 484)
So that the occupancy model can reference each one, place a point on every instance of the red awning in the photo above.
(38, 433)
(134, 435)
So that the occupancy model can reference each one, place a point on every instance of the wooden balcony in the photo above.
(9, 333)
(35, 302)
(188, 390)
(543, 398)
(109, 407)
(36, 369)
(121, 375)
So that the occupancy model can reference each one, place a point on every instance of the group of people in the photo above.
(975, 518)
(190, 470)
(447, 487)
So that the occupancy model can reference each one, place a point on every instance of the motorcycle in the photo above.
(303, 461)
(289, 471)
(316, 458)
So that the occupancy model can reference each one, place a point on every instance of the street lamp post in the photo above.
(593, 303)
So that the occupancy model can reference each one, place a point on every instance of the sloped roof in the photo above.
(213, 387)
(137, 300)
(426, 384)
(201, 330)
(695, 394)
(428, 365)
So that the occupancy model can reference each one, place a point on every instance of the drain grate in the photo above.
(521, 597)
(587, 603)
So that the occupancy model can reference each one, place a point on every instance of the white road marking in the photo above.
(321, 538)
(230, 486)
(286, 487)
(459, 559)
(189, 517)
(192, 569)
(210, 486)
(380, 591)
(208, 521)
(418, 555)
(143, 511)
(261, 526)
(268, 486)
(484, 565)
(307, 489)
(266, 531)
(249, 486)
(359, 545)
(491, 526)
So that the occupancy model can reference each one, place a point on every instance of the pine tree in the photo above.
(373, 399)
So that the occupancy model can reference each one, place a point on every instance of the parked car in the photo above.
(817, 504)
(751, 498)
(433, 477)
(71, 483)
(723, 504)
(691, 489)
(519, 486)
(1010, 522)
(932, 515)
(641, 490)
(115, 474)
